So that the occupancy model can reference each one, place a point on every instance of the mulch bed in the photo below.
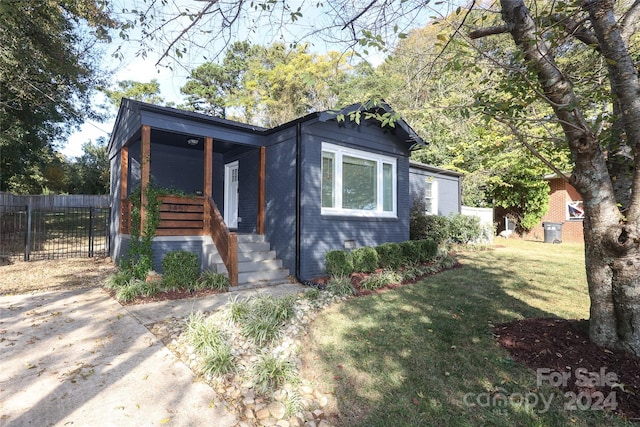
(167, 295)
(562, 346)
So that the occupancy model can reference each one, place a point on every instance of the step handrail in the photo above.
(226, 242)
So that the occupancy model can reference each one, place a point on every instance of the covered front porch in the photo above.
(218, 187)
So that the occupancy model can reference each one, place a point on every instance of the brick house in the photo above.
(565, 206)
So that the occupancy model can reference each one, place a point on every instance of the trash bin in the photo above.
(552, 232)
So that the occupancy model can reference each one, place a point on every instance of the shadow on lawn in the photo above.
(424, 354)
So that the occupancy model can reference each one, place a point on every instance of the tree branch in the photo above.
(490, 31)
(355, 18)
(186, 29)
(576, 29)
(630, 21)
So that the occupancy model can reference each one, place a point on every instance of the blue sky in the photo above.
(253, 27)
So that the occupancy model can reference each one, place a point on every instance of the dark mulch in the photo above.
(562, 346)
(358, 277)
(167, 295)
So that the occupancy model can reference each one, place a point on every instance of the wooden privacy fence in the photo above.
(49, 227)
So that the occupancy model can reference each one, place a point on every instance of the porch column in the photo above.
(208, 167)
(124, 177)
(208, 182)
(262, 167)
(145, 166)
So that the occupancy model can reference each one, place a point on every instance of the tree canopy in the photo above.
(48, 71)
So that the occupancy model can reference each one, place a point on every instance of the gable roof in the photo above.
(131, 110)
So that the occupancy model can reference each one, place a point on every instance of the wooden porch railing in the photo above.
(192, 216)
(126, 207)
(181, 216)
(226, 242)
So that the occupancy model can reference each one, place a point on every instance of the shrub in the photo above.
(381, 279)
(428, 250)
(410, 252)
(218, 361)
(129, 291)
(389, 255)
(202, 334)
(149, 289)
(312, 294)
(239, 309)
(365, 259)
(340, 286)
(464, 228)
(118, 280)
(271, 372)
(260, 330)
(180, 269)
(260, 319)
(212, 280)
(338, 263)
(423, 226)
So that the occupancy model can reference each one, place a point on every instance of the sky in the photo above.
(253, 27)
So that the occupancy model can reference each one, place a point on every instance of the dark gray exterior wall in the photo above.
(280, 195)
(248, 189)
(321, 233)
(448, 189)
(177, 168)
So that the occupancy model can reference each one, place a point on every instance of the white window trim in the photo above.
(434, 195)
(574, 218)
(340, 151)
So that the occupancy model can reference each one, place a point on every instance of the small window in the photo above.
(575, 210)
(431, 196)
(357, 182)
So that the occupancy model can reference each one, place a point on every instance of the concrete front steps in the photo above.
(257, 263)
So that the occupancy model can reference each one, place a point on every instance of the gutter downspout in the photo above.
(298, 199)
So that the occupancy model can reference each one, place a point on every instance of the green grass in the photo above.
(408, 357)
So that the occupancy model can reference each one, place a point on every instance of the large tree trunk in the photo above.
(612, 240)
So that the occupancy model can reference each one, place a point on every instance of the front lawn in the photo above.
(425, 354)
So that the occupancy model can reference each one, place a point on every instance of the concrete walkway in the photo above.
(78, 358)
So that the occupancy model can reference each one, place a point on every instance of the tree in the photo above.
(89, 173)
(605, 147)
(48, 72)
(140, 91)
(211, 87)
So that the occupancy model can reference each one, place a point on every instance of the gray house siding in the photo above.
(448, 194)
(321, 233)
(248, 190)
(280, 195)
(189, 164)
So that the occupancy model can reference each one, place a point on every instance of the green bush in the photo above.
(340, 286)
(428, 250)
(271, 372)
(410, 252)
(130, 290)
(338, 263)
(381, 279)
(180, 269)
(423, 226)
(212, 280)
(389, 255)
(365, 259)
(464, 228)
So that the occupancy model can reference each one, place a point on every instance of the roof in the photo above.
(435, 169)
(402, 130)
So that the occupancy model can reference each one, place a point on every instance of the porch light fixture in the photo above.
(192, 141)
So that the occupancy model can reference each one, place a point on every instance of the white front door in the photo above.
(231, 189)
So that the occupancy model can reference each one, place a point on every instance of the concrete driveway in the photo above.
(78, 358)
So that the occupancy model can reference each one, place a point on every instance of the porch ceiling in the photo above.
(180, 140)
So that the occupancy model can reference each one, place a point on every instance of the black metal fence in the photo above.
(31, 233)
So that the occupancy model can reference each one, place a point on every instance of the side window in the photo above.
(431, 196)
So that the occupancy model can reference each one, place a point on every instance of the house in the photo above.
(263, 203)
(565, 207)
(439, 190)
